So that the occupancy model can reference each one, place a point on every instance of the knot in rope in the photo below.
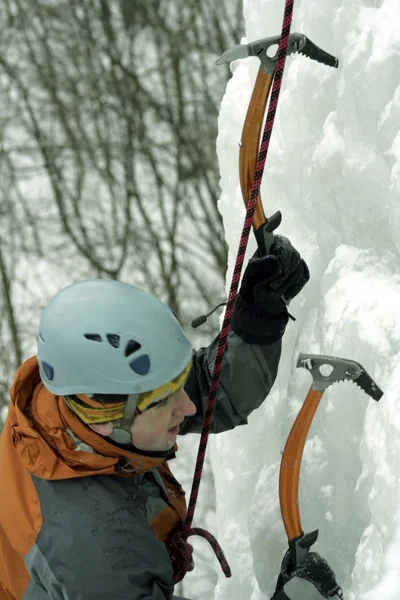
(181, 555)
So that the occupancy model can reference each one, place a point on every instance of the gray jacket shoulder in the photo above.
(247, 376)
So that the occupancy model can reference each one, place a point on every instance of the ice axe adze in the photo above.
(340, 369)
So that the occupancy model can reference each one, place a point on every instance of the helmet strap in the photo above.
(122, 433)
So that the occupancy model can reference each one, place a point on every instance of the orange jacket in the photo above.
(36, 440)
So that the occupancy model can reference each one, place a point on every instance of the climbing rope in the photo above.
(179, 549)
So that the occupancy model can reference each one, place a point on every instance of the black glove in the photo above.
(312, 578)
(260, 315)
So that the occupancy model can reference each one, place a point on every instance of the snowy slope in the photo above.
(334, 172)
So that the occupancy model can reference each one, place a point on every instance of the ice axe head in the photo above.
(297, 43)
(326, 370)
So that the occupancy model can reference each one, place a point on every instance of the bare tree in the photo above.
(120, 101)
(108, 122)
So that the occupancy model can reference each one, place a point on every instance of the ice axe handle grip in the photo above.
(300, 547)
(265, 238)
(264, 234)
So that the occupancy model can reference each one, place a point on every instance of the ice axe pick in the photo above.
(325, 371)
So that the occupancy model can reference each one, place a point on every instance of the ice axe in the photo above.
(266, 51)
(340, 369)
(253, 149)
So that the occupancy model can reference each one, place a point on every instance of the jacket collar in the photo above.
(40, 424)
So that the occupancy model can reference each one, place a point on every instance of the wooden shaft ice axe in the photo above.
(340, 370)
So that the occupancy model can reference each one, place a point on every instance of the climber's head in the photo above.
(119, 357)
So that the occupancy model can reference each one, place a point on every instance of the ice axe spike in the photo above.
(340, 370)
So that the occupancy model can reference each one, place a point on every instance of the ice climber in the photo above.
(87, 499)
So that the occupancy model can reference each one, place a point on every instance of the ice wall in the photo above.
(334, 172)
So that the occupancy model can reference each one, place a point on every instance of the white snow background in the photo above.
(333, 170)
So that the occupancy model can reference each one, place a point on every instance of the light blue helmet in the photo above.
(108, 337)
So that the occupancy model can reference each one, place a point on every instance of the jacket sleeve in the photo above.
(247, 376)
(89, 548)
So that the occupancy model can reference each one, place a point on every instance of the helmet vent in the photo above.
(93, 337)
(141, 364)
(131, 347)
(48, 370)
(114, 339)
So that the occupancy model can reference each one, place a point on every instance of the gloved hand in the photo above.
(260, 316)
(311, 579)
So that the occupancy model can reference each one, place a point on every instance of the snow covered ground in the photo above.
(334, 172)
